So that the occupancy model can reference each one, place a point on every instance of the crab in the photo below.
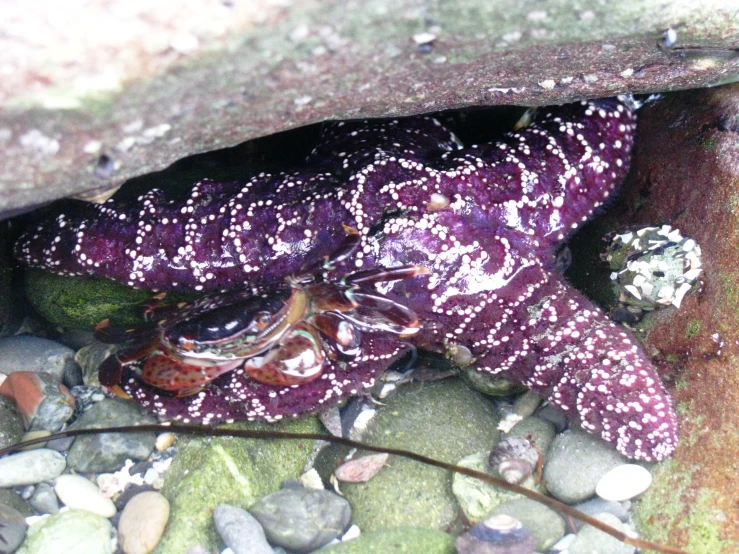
(280, 336)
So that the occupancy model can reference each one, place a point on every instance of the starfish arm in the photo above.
(570, 353)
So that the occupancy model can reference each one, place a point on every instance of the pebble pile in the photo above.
(100, 493)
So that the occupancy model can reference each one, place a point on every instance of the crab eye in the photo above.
(262, 320)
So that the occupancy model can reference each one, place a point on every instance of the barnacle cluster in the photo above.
(652, 268)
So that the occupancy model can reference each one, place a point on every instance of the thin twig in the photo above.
(264, 435)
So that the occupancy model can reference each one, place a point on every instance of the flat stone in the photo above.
(142, 523)
(624, 483)
(73, 531)
(575, 463)
(107, 452)
(596, 506)
(302, 519)
(31, 467)
(29, 353)
(240, 530)
(77, 492)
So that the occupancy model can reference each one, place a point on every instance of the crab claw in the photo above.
(296, 362)
(172, 374)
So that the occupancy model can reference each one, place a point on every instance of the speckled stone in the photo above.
(11, 423)
(302, 519)
(240, 530)
(31, 467)
(73, 531)
(142, 523)
(575, 463)
(107, 452)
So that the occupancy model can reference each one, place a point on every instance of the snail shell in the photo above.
(514, 458)
(499, 534)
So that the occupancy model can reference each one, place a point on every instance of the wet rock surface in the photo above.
(302, 519)
(107, 451)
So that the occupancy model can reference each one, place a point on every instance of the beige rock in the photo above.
(142, 522)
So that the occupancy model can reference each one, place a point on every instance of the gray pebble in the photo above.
(11, 423)
(596, 506)
(31, 467)
(29, 353)
(302, 519)
(12, 528)
(107, 452)
(56, 405)
(240, 530)
(590, 539)
(540, 432)
(575, 463)
(44, 499)
(546, 525)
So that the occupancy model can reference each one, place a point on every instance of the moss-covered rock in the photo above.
(444, 420)
(399, 540)
(83, 302)
(209, 471)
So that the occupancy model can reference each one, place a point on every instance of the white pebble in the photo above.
(623, 483)
(77, 492)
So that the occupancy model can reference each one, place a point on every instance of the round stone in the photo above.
(575, 463)
(302, 519)
(107, 452)
(623, 483)
(44, 499)
(31, 467)
(240, 530)
(142, 523)
(77, 492)
(73, 531)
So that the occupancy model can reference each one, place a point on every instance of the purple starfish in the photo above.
(485, 219)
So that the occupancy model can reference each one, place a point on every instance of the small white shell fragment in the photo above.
(361, 469)
(623, 483)
(424, 38)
